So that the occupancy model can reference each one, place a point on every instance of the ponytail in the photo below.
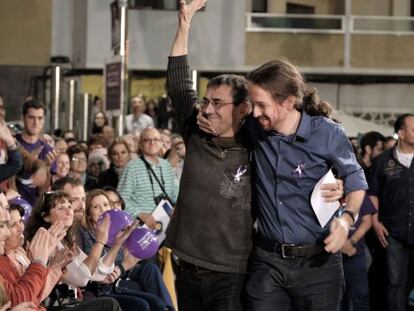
(313, 105)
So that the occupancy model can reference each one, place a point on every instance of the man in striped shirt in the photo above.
(146, 179)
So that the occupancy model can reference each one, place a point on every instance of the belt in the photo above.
(289, 250)
(183, 265)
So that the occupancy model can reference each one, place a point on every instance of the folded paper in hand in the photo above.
(323, 210)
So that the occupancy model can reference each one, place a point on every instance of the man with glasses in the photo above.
(147, 179)
(210, 232)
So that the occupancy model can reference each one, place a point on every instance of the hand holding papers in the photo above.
(323, 210)
(162, 215)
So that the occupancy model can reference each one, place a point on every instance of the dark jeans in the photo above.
(313, 284)
(98, 304)
(130, 302)
(144, 290)
(377, 276)
(399, 259)
(148, 278)
(208, 291)
(356, 295)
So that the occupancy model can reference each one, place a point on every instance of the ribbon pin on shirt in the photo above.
(299, 169)
(240, 172)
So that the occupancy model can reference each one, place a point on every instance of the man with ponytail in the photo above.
(295, 262)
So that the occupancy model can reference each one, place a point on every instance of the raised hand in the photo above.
(51, 156)
(124, 234)
(57, 232)
(102, 230)
(39, 246)
(187, 11)
(6, 135)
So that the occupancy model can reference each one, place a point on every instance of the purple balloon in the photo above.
(142, 243)
(119, 220)
(26, 206)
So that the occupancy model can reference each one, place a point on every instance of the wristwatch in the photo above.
(350, 214)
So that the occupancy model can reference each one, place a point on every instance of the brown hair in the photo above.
(237, 83)
(282, 79)
(44, 205)
(118, 141)
(86, 222)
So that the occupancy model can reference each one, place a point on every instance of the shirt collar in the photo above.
(304, 130)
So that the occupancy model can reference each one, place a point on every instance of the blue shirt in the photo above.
(287, 169)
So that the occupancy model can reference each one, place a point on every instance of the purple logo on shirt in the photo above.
(299, 169)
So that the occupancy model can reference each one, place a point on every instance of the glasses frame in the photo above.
(216, 104)
(150, 140)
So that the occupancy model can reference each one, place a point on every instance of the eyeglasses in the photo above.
(76, 159)
(150, 140)
(216, 103)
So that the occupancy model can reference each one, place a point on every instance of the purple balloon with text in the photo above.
(119, 220)
(142, 243)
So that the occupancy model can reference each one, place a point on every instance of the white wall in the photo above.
(82, 31)
(380, 97)
(62, 30)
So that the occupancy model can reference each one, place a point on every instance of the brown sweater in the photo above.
(212, 224)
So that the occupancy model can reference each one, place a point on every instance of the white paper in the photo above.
(323, 210)
(162, 215)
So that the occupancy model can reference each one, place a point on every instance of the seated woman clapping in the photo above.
(55, 212)
(144, 284)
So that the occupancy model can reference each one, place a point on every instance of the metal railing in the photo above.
(267, 22)
(329, 24)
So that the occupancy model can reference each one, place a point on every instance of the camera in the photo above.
(161, 197)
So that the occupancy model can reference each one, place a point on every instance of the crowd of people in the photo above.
(239, 166)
